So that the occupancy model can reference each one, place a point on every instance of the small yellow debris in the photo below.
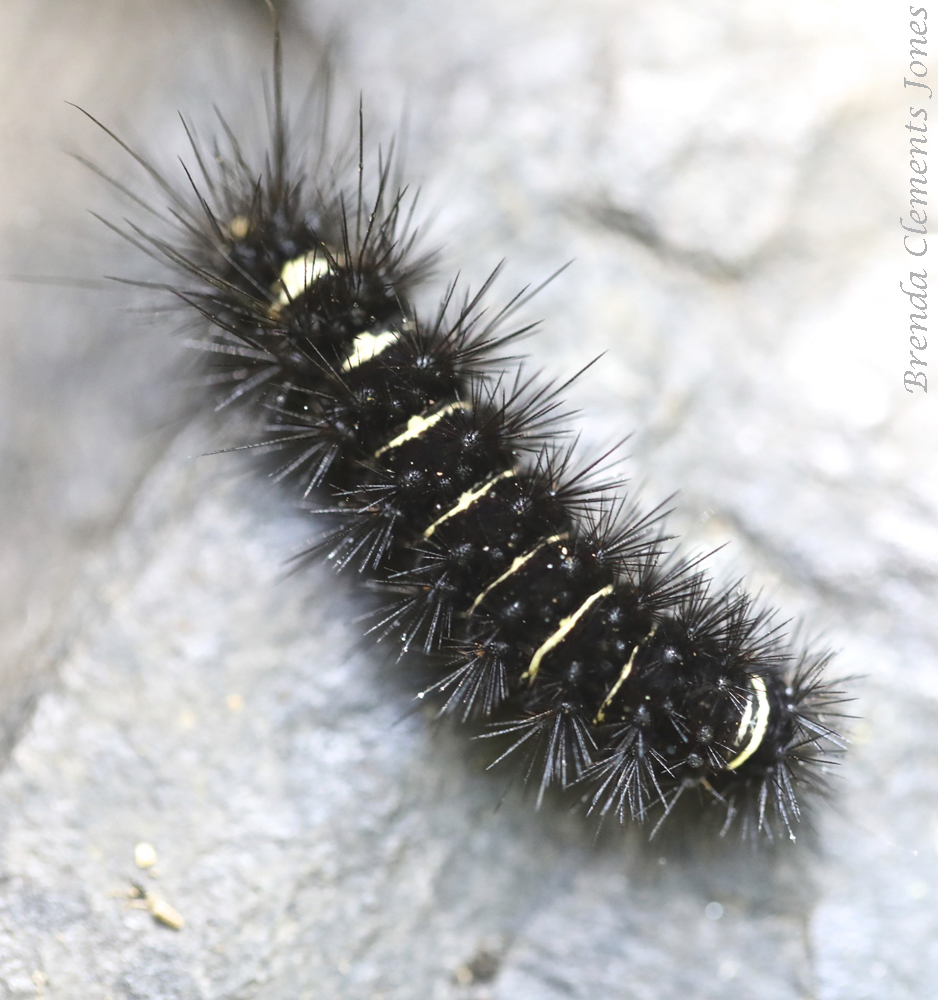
(156, 905)
(39, 979)
(144, 855)
(234, 702)
(187, 718)
(463, 975)
(163, 912)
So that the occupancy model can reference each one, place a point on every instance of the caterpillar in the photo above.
(540, 601)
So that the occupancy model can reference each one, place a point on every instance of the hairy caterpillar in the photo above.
(545, 605)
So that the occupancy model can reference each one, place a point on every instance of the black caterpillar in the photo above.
(545, 606)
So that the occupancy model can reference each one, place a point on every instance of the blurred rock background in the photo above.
(728, 178)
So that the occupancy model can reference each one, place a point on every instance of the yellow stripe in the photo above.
(623, 677)
(420, 425)
(514, 567)
(758, 727)
(563, 630)
(299, 274)
(467, 500)
(367, 346)
(745, 721)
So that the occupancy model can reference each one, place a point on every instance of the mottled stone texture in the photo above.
(725, 177)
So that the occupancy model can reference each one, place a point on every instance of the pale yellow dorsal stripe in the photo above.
(759, 726)
(514, 567)
(298, 274)
(467, 500)
(367, 346)
(563, 629)
(420, 424)
(239, 227)
(623, 677)
(745, 721)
